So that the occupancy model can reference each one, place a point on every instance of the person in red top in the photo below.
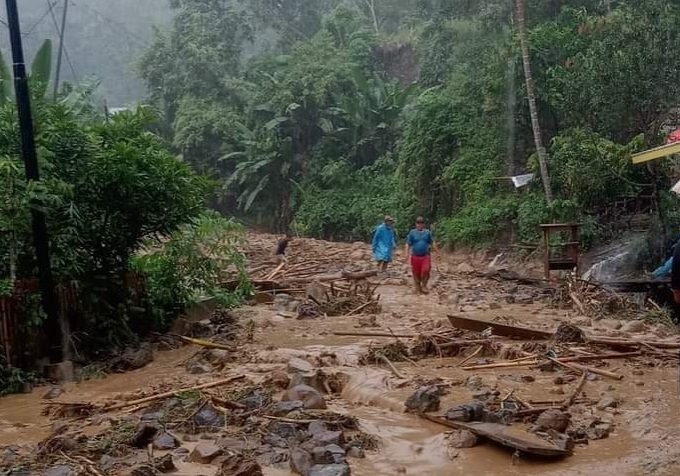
(419, 245)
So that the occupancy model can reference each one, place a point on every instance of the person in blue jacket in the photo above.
(384, 242)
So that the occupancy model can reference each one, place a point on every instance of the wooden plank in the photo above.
(504, 330)
(504, 435)
(656, 153)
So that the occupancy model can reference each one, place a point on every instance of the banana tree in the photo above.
(41, 71)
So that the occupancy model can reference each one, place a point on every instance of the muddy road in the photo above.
(643, 435)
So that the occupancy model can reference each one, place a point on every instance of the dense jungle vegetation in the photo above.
(353, 109)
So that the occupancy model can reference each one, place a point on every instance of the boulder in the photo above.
(310, 397)
(465, 268)
(164, 464)
(425, 399)
(60, 470)
(552, 420)
(599, 430)
(286, 303)
(607, 402)
(300, 461)
(255, 399)
(209, 417)
(279, 379)
(132, 359)
(198, 367)
(462, 439)
(611, 324)
(54, 392)
(281, 409)
(165, 441)
(316, 427)
(316, 291)
(356, 452)
(633, 326)
(299, 366)
(329, 454)
(325, 438)
(330, 470)
(205, 452)
(240, 465)
(284, 430)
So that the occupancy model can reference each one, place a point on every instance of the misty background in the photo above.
(103, 40)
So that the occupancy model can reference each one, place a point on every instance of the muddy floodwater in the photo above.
(645, 439)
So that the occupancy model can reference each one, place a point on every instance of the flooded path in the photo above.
(646, 438)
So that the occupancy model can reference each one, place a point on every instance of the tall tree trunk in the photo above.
(531, 96)
(371, 8)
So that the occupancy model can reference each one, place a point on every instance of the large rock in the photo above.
(198, 366)
(255, 399)
(425, 399)
(144, 434)
(465, 268)
(281, 409)
(132, 359)
(53, 393)
(144, 470)
(205, 452)
(165, 463)
(165, 441)
(299, 366)
(310, 397)
(282, 429)
(316, 291)
(240, 465)
(633, 326)
(462, 439)
(209, 417)
(552, 420)
(286, 303)
(300, 461)
(330, 470)
(60, 470)
(607, 402)
(325, 438)
(279, 379)
(329, 454)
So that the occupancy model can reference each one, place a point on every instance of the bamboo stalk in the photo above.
(471, 356)
(391, 366)
(501, 365)
(579, 386)
(584, 369)
(205, 343)
(373, 334)
(172, 393)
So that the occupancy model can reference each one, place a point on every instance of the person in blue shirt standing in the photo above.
(384, 242)
(419, 246)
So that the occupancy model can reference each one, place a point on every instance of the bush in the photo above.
(193, 264)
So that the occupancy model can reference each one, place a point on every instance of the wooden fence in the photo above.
(22, 343)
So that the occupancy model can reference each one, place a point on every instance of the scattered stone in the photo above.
(583, 322)
(425, 399)
(607, 402)
(356, 452)
(310, 397)
(467, 413)
(299, 366)
(165, 441)
(182, 453)
(528, 378)
(316, 427)
(205, 452)
(465, 268)
(316, 291)
(255, 399)
(330, 454)
(144, 434)
(638, 372)
(281, 409)
(325, 438)
(558, 380)
(282, 429)
(132, 359)
(599, 430)
(209, 417)
(240, 465)
(60, 470)
(633, 326)
(552, 420)
(165, 464)
(593, 377)
(524, 299)
(54, 392)
(462, 439)
(144, 470)
(567, 333)
(279, 379)
(495, 306)
(639, 383)
(330, 470)
(474, 382)
(368, 321)
(556, 391)
(286, 303)
(197, 367)
(300, 461)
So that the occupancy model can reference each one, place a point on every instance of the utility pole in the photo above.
(40, 236)
(61, 49)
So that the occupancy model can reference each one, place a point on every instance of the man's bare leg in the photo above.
(423, 284)
(416, 282)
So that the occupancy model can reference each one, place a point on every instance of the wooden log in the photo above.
(632, 343)
(205, 343)
(579, 386)
(470, 357)
(501, 365)
(502, 435)
(504, 330)
(584, 358)
(583, 369)
(374, 334)
(456, 343)
(172, 393)
(391, 366)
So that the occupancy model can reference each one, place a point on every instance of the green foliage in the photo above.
(477, 225)
(12, 379)
(193, 264)
(41, 70)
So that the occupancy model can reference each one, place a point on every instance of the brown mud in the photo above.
(645, 438)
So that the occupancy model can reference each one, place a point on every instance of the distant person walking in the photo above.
(419, 246)
(384, 242)
(282, 246)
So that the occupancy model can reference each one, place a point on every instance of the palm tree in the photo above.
(531, 95)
